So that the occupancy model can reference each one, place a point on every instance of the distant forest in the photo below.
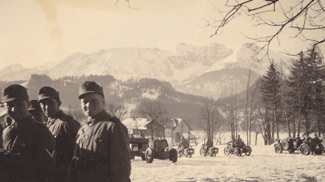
(126, 96)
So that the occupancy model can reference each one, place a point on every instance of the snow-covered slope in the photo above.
(230, 75)
(121, 63)
(16, 72)
(212, 70)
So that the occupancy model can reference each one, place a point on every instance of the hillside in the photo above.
(210, 71)
(129, 93)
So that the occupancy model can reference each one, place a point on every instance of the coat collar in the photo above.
(102, 116)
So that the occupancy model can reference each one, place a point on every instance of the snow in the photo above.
(136, 123)
(151, 94)
(262, 165)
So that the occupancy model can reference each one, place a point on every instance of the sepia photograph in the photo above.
(162, 90)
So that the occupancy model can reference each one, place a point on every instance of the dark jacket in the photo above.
(239, 142)
(64, 136)
(102, 151)
(184, 143)
(28, 152)
(72, 123)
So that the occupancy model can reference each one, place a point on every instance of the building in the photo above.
(172, 131)
(144, 127)
(182, 128)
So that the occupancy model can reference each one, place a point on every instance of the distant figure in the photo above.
(315, 139)
(315, 136)
(239, 143)
(141, 134)
(184, 143)
(183, 146)
(314, 142)
(36, 112)
(63, 128)
(307, 138)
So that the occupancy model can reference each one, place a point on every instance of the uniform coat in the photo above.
(63, 129)
(28, 152)
(102, 151)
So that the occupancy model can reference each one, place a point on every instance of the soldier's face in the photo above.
(50, 107)
(92, 104)
(17, 109)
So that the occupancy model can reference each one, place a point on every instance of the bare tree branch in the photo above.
(263, 6)
(300, 16)
(230, 15)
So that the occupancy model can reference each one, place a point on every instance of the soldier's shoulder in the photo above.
(111, 121)
(64, 116)
(115, 124)
(58, 123)
(68, 118)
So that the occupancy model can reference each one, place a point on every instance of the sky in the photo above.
(34, 32)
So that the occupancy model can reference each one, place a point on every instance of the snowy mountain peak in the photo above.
(13, 67)
(183, 68)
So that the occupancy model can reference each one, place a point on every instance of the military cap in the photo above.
(90, 87)
(48, 93)
(14, 92)
(34, 106)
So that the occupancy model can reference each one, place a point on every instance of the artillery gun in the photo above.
(160, 150)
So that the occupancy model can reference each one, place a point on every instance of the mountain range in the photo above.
(212, 70)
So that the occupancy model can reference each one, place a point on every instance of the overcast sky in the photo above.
(33, 32)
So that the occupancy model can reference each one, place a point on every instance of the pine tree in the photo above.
(271, 97)
(315, 83)
(296, 84)
(306, 93)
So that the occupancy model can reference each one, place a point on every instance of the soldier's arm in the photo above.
(70, 135)
(73, 166)
(45, 151)
(120, 164)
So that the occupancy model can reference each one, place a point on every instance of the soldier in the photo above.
(36, 112)
(239, 143)
(102, 151)
(63, 128)
(183, 146)
(28, 147)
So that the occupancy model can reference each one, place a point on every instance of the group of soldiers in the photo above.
(59, 149)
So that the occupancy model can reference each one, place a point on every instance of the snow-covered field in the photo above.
(263, 165)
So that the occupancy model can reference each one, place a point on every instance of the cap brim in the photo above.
(9, 100)
(43, 98)
(85, 93)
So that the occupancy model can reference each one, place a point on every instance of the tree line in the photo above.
(292, 102)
